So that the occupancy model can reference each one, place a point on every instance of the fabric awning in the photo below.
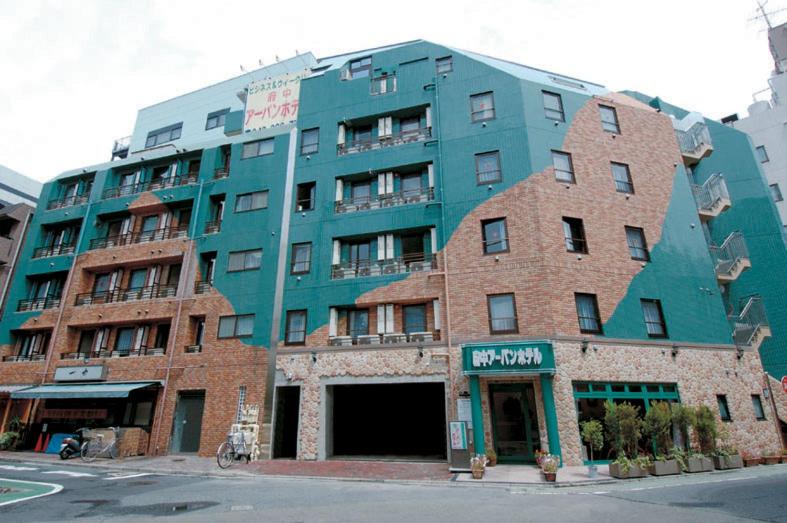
(5, 389)
(81, 390)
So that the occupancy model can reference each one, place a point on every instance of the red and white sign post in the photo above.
(784, 384)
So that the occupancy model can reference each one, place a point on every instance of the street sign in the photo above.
(784, 384)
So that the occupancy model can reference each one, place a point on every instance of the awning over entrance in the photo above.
(7, 389)
(82, 390)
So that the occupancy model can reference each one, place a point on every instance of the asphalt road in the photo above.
(93, 494)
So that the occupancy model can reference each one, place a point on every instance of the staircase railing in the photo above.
(729, 253)
(710, 192)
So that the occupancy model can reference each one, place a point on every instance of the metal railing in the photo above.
(379, 201)
(382, 339)
(149, 185)
(121, 145)
(383, 84)
(709, 193)
(212, 226)
(202, 287)
(729, 254)
(692, 140)
(37, 304)
(221, 173)
(166, 233)
(193, 349)
(390, 140)
(129, 294)
(54, 250)
(104, 352)
(68, 201)
(25, 357)
(420, 262)
(748, 322)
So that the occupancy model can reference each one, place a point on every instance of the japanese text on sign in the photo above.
(507, 357)
(273, 101)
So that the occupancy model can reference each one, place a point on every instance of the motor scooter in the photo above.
(72, 446)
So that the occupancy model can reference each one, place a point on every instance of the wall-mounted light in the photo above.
(314, 357)
(420, 352)
(674, 351)
(584, 346)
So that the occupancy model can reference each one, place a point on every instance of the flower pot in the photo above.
(478, 473)
(491, 462)
(751, 462)
(550, 476)
(665, 468)
(592, 471)
(634, 471)
(771, 460)
(699, 465)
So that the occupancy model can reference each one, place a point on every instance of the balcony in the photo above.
(25, 357)
(389, 140)
(151, 185)
(68, 201)
(166, 233)
(712, 197)
(693, 138)
(202, 287)
(6, 249)
(212, 227)
(383, 84)
(750, 326)
(380, 201)
(38, 304)
(220, 174)
(418, 262)
(54, 250)
(731, 258)
(122, 295)
(120, 148)
(193, 349)
(384, 339)
(143, 350)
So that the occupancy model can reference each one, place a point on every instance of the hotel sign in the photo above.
(81, 373)
(508, 358)
(273, 101)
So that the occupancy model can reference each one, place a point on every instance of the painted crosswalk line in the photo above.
(14, 467)
(70, 473)
(127, 476)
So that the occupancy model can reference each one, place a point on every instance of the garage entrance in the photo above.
(388, 421)
(285, 435)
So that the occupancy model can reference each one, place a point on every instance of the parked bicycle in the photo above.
(233, 449)
(95, 445)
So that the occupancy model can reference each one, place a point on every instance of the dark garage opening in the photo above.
(285, 439)
(401, 421)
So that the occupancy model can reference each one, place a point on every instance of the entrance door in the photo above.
(285, 436)
(187, 425)
(514, 421)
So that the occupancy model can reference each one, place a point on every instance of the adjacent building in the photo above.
(394, 251)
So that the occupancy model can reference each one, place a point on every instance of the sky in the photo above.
(74, 73)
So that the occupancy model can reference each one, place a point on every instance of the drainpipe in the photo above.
(12, 268)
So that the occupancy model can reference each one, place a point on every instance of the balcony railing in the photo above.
(25, 357)
(712, 196)
(420, 262)
(380, 201)
(193, 349)
(120, 147)
(221, 173)
(54, 250)
(150, 185)
(202, 287)
(69, 201)
(731, 257)
(356, 146)
(130, 294)
(166, 233)
(212, 226)
(143, 350)
(37, 304)
(383, 84)
(695, 143)
(382, 339)
(750, 325)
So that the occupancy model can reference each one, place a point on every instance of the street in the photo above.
(94, 494)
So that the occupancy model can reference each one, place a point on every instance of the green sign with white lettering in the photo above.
(532, 357)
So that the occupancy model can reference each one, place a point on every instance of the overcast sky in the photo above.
(74, 73)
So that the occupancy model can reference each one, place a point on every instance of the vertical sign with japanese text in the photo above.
(273, 101)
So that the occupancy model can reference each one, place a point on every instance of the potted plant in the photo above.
(593, 436)
(624, 428)
(705, 429)
(478, 466)
(772, 457)
(624, 468)
(750, 460)
(549, 466)
(491, 457)
(698, 462)
(540, 456)
(683, 419)
(726, 456)
(658, 426)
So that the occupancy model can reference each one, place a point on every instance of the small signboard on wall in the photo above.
(463, 410)
(458, 433)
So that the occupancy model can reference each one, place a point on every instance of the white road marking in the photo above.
(55, 489)
(600, 492)
(14, 467)
(70, 473)
(128, 476)
(238, 508)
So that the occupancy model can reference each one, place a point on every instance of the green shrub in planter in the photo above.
(706, 429)
(8, 440)
(683, 418)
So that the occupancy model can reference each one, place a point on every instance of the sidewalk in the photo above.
(531, 475)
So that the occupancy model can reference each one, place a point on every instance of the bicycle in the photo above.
(94, 446)
(233, 449)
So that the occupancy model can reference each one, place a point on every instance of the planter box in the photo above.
(751, 462)
(665, 468)
(771, 460)
(728, 462)
(550, 476)
(616, 471)
(699, 465)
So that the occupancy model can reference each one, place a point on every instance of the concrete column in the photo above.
(478, 420)
(550, 415)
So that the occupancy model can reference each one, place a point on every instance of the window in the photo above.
(724, 408)
(305, 196)
(574, 232)
(482, 107)
(495, 235)
(414, 317)
(553, 106)
(564, 167)
(257, 148)
(362, 134)
(759, 412)
(295, 329)
(163, 135)
(776, 192)
(502, 314)
(124, 340)
(654, 318)
(445, 64)
(361, 192)
(587, 313)
(762, 154)
(409, 125)
(301, 258)
(622, 176)
(487, 168)
(360, 68)
(216, 119)
(236, 326)
(609, 119)
(245, 260)
(638, 247)
(251, 201)
(310, 141)
(357, 322)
